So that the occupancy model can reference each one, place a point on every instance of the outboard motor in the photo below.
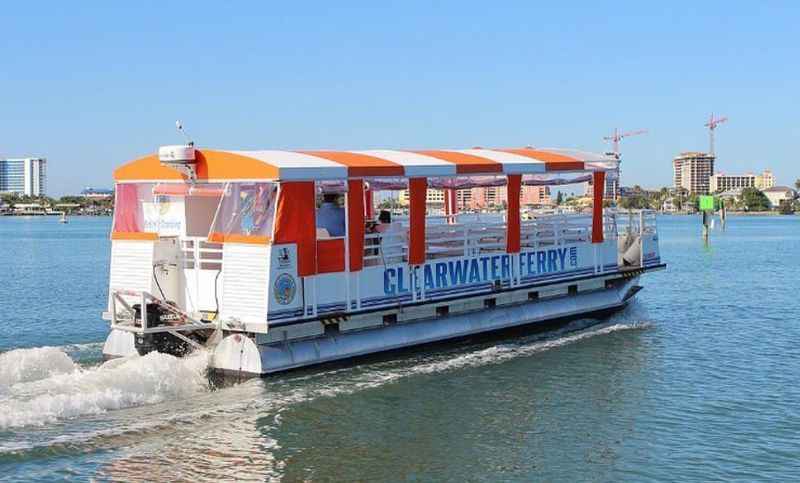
(163, 342)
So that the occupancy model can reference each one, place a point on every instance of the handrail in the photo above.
(467, 238)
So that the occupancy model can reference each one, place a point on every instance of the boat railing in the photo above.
(637, 222)
(123, 316)
(446, 238)
(201, 261)
(198, 252)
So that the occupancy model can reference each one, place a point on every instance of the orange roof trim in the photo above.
(217, 237)
(359, 164)
(210, 165)
(134, 235)
(553, 161)
(465, 163)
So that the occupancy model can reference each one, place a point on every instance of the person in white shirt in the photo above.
(330, 215)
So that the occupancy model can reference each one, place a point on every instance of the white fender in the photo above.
(119, 343)
(237, 353)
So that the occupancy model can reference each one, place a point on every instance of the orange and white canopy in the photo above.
(213, 165)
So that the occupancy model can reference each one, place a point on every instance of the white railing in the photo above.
(448, 237)
(199, 253)
(201, 262)
(636, 222)
(633, 226)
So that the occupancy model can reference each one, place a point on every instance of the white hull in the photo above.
(242, 356)
(239, 355)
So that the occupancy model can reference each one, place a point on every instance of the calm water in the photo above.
(698, 380)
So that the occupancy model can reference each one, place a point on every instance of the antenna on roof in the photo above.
(179, 127)
(181, 158)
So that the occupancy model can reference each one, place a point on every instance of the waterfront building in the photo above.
(612, 187)
(611, 191)
(29, 209)
(97, 193)
(692, 171)
(23, 176)
(731, 194)
(485, 197)
(724, 182)
(778, 194)
(433, 197)
(669, 205)
(765, 180)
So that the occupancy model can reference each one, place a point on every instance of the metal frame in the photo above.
(189, 323)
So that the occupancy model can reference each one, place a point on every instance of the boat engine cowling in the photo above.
(164, 342)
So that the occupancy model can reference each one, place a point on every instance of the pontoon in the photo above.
(222, 250)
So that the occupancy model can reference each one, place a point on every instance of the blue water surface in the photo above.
(696, 381)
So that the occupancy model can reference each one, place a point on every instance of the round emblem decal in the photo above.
(284, 289)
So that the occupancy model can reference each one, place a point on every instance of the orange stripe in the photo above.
(222, 165)
(146, 168)
(217, 237)
(552, 161)
(134, 235)
(210, 165)
(465, 163)
(360, 164)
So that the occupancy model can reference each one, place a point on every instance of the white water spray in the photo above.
(44, 385)
(25, 365)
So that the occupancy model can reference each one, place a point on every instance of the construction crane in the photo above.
(712, 125)
(611, 189)
(618, 136)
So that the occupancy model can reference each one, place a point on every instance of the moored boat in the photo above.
(276, 260)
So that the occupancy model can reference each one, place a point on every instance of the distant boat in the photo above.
(63, 218)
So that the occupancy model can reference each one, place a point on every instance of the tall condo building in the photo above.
(611, 191)
(24, 176)
(692, 171)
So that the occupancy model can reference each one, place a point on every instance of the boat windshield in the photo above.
(129, 203)
(245, 211)
(168, 209)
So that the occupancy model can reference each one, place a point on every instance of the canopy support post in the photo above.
(450, 205)
(417, 193)
(354, 228)
(417, 188)
(598, 183)
(513, 219)
(369, 203)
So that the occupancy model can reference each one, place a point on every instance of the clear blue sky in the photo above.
(90, 85)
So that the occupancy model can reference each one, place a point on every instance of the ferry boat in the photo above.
(230, 251)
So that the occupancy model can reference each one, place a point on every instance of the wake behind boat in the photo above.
(228, 250)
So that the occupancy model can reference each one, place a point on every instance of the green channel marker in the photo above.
(706, 203)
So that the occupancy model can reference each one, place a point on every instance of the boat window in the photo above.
(129, 202)
(330, 214)
(331, 227)
(386, 235)
(245, 210)
(201, 206)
